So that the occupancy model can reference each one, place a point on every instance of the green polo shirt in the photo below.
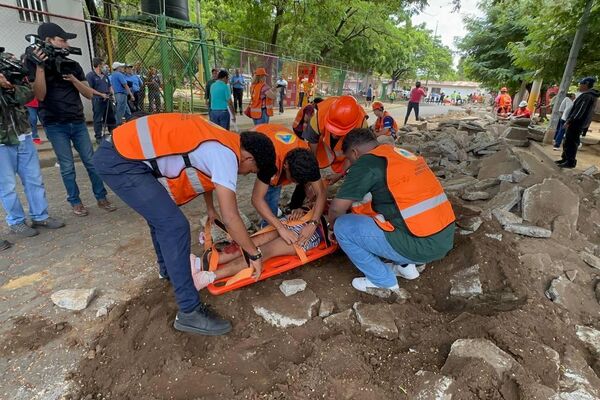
(368, 175)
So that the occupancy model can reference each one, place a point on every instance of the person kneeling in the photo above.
(270, 244)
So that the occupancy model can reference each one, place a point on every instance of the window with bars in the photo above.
(30, 15)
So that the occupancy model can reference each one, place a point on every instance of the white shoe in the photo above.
(556, 148)
(364, 284)
(407, 271)
(200, 277)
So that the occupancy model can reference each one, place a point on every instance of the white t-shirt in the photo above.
(211, 158)
(565, 107)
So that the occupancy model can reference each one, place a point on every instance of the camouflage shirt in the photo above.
(13, 113)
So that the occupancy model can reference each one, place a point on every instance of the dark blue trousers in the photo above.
(134, 183)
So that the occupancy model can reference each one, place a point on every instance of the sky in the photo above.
(450, 25)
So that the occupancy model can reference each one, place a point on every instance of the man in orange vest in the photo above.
(295, 164)
(385, 124)
(410, 220)
(503, 102)
(262, 97)
(304, 115)
(159, 161)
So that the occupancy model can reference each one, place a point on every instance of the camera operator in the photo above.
(18, 156)
(61, 113)
(104, 113)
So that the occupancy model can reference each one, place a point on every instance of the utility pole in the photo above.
(569, 68)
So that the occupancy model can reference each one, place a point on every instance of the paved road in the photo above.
(108, 251)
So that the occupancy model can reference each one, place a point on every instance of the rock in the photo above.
(431, 386)
(495, 236)
(73, 299)
(536, 134)
(516, 136)
(536, 391)
(466, 283)
(326, 308)
(419, 125)
(474, 196)
(503, 162)
(505, 200)
(543, 202)
(505, 178)
(590, 259)
(459, 183)
(340, 319)
(577, 375)
(556, 289)
(470, 224)
(506, 217)
(102, 312)
(376, 319)
(522, 122)
(590, 171)
(485, 184)
(518, 176)
(399, 295)
(528, 230)
(283, 312)
(451, 150)
(597, 292)
(571, 274)
(591, 338)
(292, 286)
(579, 394)
(483, 349)
(470, 126)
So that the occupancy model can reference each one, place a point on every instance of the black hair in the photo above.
(357, 137)
(137, 114)
(97, 61)
(222, 74)
(213, 70)
(418, 84)
(303, 166)
(263, 151)
(317, 100)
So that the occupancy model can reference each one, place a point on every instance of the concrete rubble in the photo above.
(432, 386)
(376, 319)
(466, 283)
(284, 312)
(483, 349)
(528, 230)
(73, 299)
(292, 286)
(590, 259)
(326, 308)
(544, 202)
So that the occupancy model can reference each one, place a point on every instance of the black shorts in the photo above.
(369, 98)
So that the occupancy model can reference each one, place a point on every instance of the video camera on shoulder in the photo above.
(57, 57)
(12, 70)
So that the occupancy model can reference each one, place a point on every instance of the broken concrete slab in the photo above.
(576, 374)
(474, 196)
(457, 184)
(376, 319)
(591, 171)
(340, 320)
(528, 230)
(485, 184)
(518, 176)
(535, 133)
(398, 295)
(470, 224)
(503, 162)
(579, 394)
(326, 308)
(419, 125)
(590, 259)
(483, 349)
(431, 386)
(543, 202)
(506, 217)
(589, 336)
(556, 290)
(495, 236)
(73, 299)
(283, 312)
(466, 283)
(292, 286)
(504, 200)
(597, 292)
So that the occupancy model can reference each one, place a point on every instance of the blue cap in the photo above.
(589, 81)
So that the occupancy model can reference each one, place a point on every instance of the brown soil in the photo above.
(140, 355)
(31, 333)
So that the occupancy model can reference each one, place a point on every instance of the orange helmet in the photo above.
(504, 89)
(344, 115)
(377, 105)
(260, 72)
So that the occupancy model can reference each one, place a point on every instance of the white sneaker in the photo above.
(200, 277)
(364, 284)
(407, 271)
(556, 148)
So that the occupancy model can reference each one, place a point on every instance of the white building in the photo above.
(16, 23)
(463, 88)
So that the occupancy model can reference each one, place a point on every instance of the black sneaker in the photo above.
(5, 244)
(561, 161)
(50, 223)
(202, 321)
(567, 165)
(23, 230)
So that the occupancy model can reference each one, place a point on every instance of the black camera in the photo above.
(57, 57)
(12, 70)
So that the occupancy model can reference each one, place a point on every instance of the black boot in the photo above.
(568, 164)
(561, 161)
(5, 244)
(202, 321)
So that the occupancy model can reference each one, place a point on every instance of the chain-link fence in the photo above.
(174, 58)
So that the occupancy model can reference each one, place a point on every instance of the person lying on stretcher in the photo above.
(270, 244)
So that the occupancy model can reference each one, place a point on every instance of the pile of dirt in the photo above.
(477, 324)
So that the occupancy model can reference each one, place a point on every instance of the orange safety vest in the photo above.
(326, 156)
(284, 140)
(161, 135)
(299, 118)
(379, 124)
(418, 194)
(505, 102)
(257, 104)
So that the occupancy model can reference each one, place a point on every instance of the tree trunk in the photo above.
(569, 68)
(279, 10)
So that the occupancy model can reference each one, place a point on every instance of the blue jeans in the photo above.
(32, 112)
(104, 114)
(122, 110)
(560, 133)
(365, 244)
(264, 118)
(61, 136)
(272, 199)
(134, 183)
(220, 117)
(22, 160)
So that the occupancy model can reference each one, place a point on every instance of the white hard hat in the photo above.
(523, 104)
(117, 64)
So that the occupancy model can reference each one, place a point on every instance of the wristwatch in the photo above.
(313, 222)
(255, 257)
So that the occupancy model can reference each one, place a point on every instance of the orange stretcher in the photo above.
(271, 267)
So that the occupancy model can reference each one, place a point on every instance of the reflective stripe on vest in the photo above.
(194, 180)
(423, 206)
(143, 131)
